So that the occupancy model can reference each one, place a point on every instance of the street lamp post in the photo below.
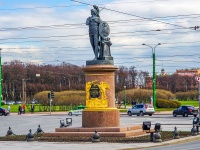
(154, 72)
(0, 79)
(125, 97)
(24, 89)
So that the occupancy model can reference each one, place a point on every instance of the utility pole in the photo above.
(198, 80)
(24, 89)
(50, 96)
(0, 79)
(125, 97)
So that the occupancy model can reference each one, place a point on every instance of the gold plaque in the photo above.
(96, 94)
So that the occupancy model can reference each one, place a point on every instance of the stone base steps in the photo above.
(102, 131)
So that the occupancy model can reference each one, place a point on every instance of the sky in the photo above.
(51, 32)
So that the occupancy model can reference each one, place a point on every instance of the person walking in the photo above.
(24, 108)
(32, 108)
(19, 110)
(9, 108)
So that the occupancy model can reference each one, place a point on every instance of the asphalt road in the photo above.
(20, 124)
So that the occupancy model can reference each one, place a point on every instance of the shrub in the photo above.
(143, 95)
(161, 103)
(178, 104)
(62, 98)
(191, 95)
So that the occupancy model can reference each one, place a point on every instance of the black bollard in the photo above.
(39, 130)
(9, 132)
(176, 133)
(157, 137)
(193, 131)
(95, 137)
(196, 122)
(30, 136)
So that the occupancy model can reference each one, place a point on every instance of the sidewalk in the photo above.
(88, 145)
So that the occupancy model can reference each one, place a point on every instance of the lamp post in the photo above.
(198, 80)
(154, 73)
(0, 79)
(125, 97)
(24, 89)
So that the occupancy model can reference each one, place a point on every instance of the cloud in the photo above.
(59, 33)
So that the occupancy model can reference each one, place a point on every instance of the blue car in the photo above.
(185, 111)
(4, 112)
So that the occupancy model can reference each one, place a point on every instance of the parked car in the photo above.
(33, 102)
(141, 110)
(75, 112)
(185, 111)
(18, 102)
(10, 102)
(4, 111)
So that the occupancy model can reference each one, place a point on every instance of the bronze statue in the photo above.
(98, 33)
(93, 23)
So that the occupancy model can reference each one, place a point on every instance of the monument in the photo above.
(100, 77)
(100, 113)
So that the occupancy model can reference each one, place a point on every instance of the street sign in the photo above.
(197, 78)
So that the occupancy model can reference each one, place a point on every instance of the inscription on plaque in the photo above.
(96, 94)
(94, 91)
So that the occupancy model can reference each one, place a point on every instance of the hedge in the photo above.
(161, 103)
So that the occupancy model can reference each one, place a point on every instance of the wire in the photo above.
(61, 6)
(145, 18)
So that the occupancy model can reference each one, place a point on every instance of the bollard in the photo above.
(197, 128)
(175, 133)
(193, 131)
(95, 137)
(196, 122)
(9, 132)
(30, 136)
(157, 137)
(39, 130)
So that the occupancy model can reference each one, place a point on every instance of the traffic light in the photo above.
(52, 94)
(49, 95)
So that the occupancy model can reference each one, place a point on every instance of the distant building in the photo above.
(182, 72)
(188, 72)
(149, 79)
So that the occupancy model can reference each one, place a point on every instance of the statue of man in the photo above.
(93, 22)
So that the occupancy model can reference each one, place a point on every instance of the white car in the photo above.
(75, 112)
(141, 110)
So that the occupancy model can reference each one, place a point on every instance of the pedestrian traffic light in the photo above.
(52, 94)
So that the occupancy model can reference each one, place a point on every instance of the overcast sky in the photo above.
(52, 32)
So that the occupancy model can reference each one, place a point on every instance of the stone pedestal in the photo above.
(101, 117)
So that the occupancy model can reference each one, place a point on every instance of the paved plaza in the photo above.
(21, 124)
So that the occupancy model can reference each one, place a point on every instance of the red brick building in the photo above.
(182, 72)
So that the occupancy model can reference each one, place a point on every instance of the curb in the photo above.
(165, 143)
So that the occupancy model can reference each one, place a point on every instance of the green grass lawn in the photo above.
(193, 103)
(14, 108)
